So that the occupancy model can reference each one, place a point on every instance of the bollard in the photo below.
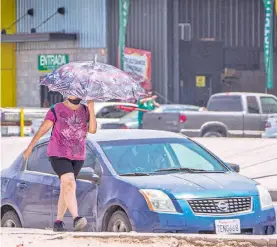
(21, 122)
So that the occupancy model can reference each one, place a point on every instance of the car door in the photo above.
(86, 192)
(252, 117)
(34, 190)
(269, 106)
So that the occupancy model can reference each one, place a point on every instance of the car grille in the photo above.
(221, 206)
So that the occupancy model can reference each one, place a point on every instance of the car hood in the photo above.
(197, 185)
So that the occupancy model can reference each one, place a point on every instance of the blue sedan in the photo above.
(140, 180)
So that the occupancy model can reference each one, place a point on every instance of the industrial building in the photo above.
(198, 47)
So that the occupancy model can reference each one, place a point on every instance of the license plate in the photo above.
(227, 226)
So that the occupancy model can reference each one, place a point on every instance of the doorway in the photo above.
(200, 67)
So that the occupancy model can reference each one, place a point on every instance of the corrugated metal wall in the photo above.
(236, 22)
(84, 17)
(147, 30)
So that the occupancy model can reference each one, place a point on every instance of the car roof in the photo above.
(241, 94)
(125, 134)
(178, 105)
(113, 103)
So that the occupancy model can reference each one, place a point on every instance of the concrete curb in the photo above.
(137, 239)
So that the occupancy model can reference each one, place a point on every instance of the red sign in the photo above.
(137, 63)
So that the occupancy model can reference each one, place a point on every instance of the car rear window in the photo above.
(225, 103)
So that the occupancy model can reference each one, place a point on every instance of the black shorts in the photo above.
(62, 166)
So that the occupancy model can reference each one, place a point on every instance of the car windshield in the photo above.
(159, 155)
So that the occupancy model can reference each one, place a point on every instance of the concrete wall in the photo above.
(28, 75)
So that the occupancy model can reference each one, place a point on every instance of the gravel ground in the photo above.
(38, 238)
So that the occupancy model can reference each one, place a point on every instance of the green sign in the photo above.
(123, 19)
(50, 62)
(268, 43)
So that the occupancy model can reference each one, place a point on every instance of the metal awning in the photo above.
(37, 37)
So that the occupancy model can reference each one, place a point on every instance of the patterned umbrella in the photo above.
(93, 80)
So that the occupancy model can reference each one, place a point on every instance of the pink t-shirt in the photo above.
(69, 132)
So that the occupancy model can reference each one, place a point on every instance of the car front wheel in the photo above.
(10, 219)
(119, 222)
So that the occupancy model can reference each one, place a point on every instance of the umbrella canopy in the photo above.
(93, 80)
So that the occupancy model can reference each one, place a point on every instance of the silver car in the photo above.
(270, 127)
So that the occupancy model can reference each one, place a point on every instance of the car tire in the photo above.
(212, 134)
(119, 222)
(10, 219)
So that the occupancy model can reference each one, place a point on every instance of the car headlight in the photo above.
(158, 201)
(265, 197)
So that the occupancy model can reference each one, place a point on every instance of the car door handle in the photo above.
(21, 185)
(56, 192)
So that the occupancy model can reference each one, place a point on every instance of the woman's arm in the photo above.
(92, 119)
(144, 100)
(43, 129)
(155, 103)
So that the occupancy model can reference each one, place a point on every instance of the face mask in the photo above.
(75, 101)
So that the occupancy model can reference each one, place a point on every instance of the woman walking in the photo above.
(66, 150)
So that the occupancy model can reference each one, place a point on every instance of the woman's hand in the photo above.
(90, 103)
(27, 153)
(43, 129)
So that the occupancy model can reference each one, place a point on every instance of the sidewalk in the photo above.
(11, 237)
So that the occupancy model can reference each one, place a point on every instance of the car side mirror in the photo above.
(235, 167)
(87, 173)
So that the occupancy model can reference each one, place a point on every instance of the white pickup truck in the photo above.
(227, 114)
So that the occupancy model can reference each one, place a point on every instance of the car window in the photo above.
(252, 105)
(225, 103)
(111, 112)
(190, 159)
(269, 105)
(131, 116)
(39, 161)
(91, 158)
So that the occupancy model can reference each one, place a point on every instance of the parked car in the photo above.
(130, 120)
(176, 108)
(227, 114)
(271, 127)
(106, 112)
(140, 180)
